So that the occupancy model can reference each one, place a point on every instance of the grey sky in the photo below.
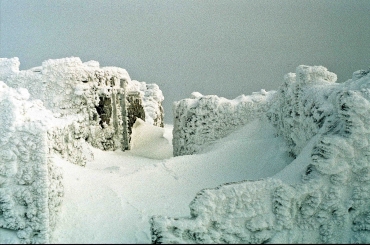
(222, 47)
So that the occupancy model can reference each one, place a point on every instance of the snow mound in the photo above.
(149, 141)
(326, 128)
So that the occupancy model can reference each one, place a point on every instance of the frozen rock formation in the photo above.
(59, 107)
(91, 96)
(327, 128)
(200, 120)
(31, 187)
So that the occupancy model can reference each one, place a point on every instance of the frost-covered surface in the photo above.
(86, 92)
(200, 120)
(51, 111)
(152, 98)
(31, 187)
(321, 197)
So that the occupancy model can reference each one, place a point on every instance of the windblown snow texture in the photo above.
(201, 120)
(331, 123)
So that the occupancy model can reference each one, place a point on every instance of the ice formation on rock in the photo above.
(90, 96)
(200, 120)
(330, 123)
(31, 188)
(59, 107)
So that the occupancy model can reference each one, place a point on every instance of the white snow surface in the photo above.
(112, 199)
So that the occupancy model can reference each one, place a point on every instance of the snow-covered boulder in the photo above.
(31, 187)
(327, 128)
(202, 119)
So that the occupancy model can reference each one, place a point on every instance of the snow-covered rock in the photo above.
(69, 87)
(201, 120)
(326, 127)
(59, 107)
(31, 188)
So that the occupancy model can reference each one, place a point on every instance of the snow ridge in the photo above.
(330, 122)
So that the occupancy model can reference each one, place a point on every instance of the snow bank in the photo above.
(92, 94)
(326, 126)
(31, 187)
(200, 120)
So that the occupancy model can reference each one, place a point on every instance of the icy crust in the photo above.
(330, 122)
(202, 119)
(87, 92)
(30, 184)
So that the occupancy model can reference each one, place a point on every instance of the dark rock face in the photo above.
(104, 110)
(134, 110)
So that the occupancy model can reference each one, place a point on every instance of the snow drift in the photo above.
(321, 197)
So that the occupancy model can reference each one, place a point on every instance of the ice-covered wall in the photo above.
(330, 124)
(69, 87)
(31, 187)
(302, 104)
(200, 120)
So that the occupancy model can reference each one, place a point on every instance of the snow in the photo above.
(112, 199)
(71, 88)
(285, 166)
(320, 197)
(149, 141)
(202, 119)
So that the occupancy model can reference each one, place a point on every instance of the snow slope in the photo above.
(112, 199)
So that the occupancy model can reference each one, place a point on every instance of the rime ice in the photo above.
(326, 128)
(60, 107)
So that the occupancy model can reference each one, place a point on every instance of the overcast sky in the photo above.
(222, 47)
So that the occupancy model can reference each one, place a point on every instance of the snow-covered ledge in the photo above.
(327, 127)
(202, 119)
